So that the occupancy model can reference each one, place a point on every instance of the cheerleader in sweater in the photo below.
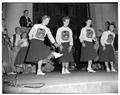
(65, 40)
(106, 52)
(88, 52)
(38, 52)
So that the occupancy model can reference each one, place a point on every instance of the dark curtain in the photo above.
(78, 12)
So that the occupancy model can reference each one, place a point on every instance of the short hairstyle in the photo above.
(88, 19)
(45, 16)
(107, 22)
(17, 28)
(112, 24)
(25, 11)
(23, 34)
(65, 18)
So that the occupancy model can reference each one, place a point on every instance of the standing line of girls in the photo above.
(38, 53)
(106, 50)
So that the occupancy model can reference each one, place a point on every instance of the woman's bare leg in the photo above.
(39, 71)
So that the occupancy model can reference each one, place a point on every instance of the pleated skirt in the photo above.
(88, 52)
(37, 51)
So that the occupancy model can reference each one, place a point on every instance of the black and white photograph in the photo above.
(59, 47)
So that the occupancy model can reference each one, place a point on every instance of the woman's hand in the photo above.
(56, 45)
(104, 48)
(70, 49)
(61, 47)
(83, 44)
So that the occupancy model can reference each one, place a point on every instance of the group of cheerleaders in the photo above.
(38, 53)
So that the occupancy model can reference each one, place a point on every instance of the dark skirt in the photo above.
(5, 53)
(20, 58)
(88, 52)
(67, 56)
(107, 55)
(5, 58)
(37, 51)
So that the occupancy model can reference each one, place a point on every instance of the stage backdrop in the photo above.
(78, 12)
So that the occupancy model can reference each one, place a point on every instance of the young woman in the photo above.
(38, 52)
(23, 44)
(106, 52)
(88, 52)
(64, 38)
(6, 45)
(14, 40)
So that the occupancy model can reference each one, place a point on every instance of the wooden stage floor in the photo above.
(55, 82)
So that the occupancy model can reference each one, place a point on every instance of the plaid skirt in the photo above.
(88, 52)
(20, 58)
(67, 56)
(107, 55)
(37, 51)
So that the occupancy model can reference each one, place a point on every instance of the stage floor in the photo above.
(55, 82)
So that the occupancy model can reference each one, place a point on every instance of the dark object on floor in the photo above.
(31, 85)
